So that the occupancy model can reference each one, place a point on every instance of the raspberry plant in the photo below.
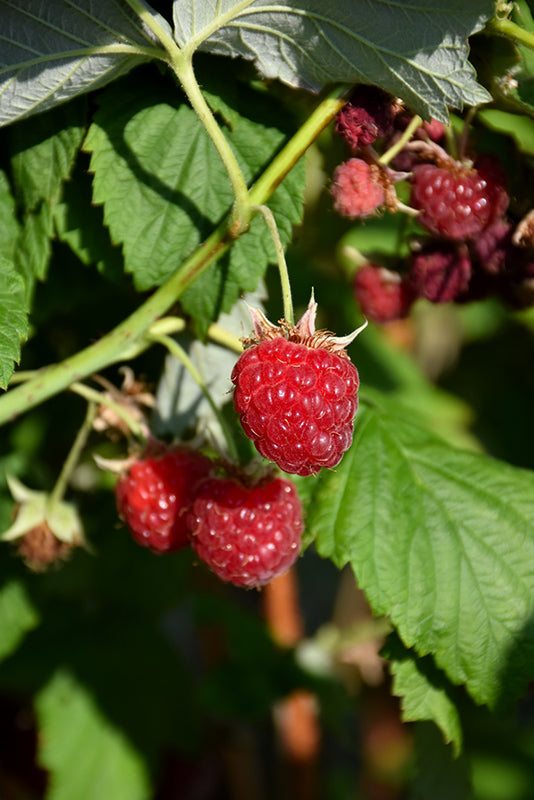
(148, 182)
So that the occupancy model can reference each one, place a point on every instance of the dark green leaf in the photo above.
(441, 541)
(164, 187)
(13, 319)
(43, 152)
(9, 227)
(440, 775)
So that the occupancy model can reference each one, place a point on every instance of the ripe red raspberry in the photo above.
(246, 534)
(369, 114)
(440, 271)
(383, 295)
(153, 496)
(356, 188)
(456, 202)
(296, 392)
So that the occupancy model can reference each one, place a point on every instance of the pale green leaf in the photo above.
(442, 542)
(87, 756)
(52, 50)
(17, 616)
(416, 50)
(13, 319)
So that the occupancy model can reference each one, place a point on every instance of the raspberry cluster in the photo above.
(246, 530)
(361, 185)
(469, 246)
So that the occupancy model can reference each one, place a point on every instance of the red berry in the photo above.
(356, 188)
(456, 202)
(383, 295)
(368, 115)
(153, 496)
(246, 534)
(440, 272)
(296, 392)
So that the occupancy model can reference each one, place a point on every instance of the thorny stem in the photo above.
(176, 350)
(268, 216)
(127, 341)
(73, 457)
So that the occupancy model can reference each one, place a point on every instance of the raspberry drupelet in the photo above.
(296, 392)
(246, 533)
(154, 494)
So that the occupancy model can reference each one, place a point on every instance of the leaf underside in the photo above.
(417, 51)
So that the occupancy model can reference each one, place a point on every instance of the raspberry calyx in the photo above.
(296, 393)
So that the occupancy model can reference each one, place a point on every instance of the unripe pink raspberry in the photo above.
(356, 189)
(246, 534)
(383, 295)
(440, 271)
(296, 392)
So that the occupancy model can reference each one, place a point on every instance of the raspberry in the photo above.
(246, 534)
(368, 115)
(356, 188)
(456, 202)
(440, 272)
(383, 295)
(296, 392)
(153, 496)
(492, 247)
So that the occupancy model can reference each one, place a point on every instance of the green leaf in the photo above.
(441, 541)
(87, 756)
(424, 690)
(13, 319)
(80, 224)
(17, 616)
(164, 187)
(53, 50)
(9, 226)
(417, 51)
(34, 247)
(43, 152)
(519, 127)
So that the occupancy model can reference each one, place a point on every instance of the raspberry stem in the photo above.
(92, 396)
(510, 30)
(268, 216)
(390, 154)
(176, 350)
(182, 65)
(127, 339)
(71, 462)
